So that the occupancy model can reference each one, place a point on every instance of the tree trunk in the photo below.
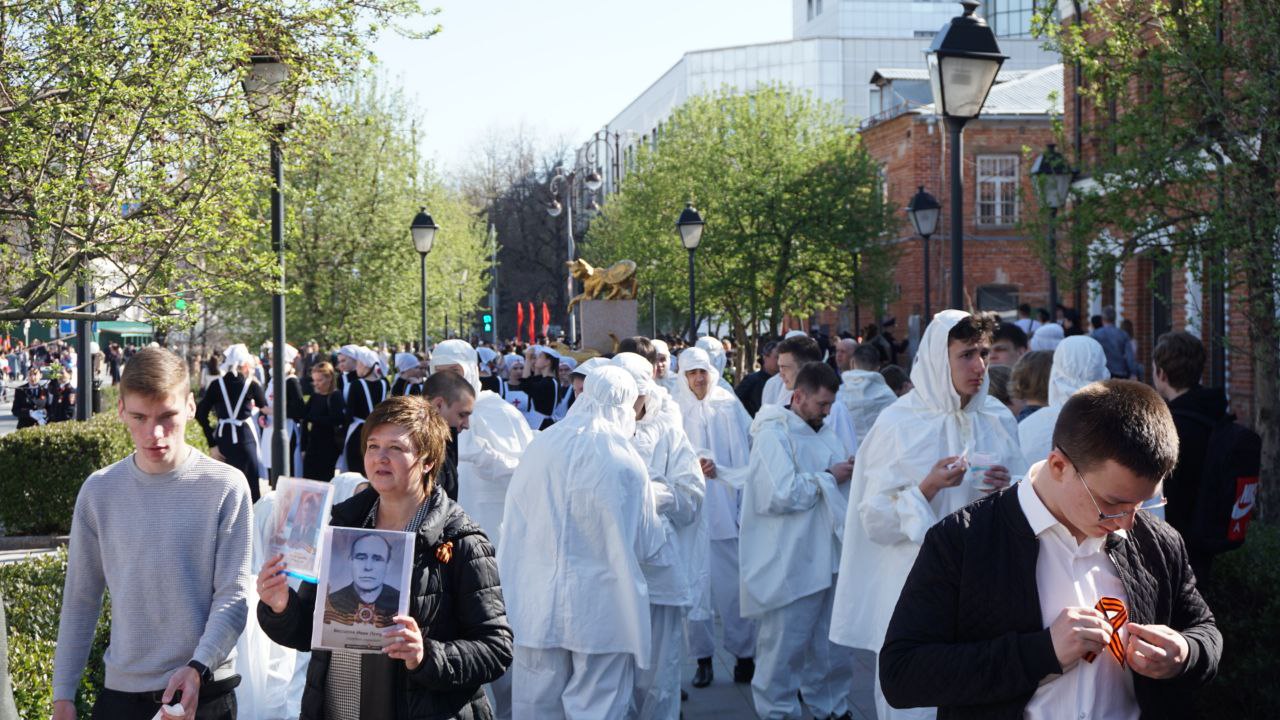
(1265, 345)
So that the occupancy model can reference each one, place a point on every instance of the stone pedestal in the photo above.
(601, 317)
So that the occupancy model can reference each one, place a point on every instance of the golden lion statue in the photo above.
(619, 279)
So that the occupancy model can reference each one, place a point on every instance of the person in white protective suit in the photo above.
(715, 350)
(863, 391)
(672, 576)
(581, 516)
(793, 510)
(718, 427)
(1077, 361)
(662, 373)
(794, 352)
(938, 448)
(775, 389)
(1047, 337)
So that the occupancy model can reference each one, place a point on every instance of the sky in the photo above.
(560, 68)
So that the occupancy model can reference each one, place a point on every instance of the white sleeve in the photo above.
(896, 515)
(773, 470)
(684, 477)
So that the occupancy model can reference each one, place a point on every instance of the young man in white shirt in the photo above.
(1061, 597)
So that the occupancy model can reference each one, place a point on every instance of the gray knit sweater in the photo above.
(173, 551)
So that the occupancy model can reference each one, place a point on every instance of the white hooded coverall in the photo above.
(580, 518)
(888, 515)
(792, 521)
(1077, 361)
(864, 394)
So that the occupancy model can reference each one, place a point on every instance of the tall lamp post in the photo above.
(559, 181)
(462, 281)
(963, 62)
(423, 230)
(1052, 177)
(690, 226)
(924, 210)
(267, 88)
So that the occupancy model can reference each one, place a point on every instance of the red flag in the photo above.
(519, 320)
(532, 325)
(546, 317)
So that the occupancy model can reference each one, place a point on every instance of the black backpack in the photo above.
(1228, 483)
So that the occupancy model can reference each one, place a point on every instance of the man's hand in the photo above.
(1156, 651)
(64, 710)
(842, 471)
(708, 467)
(997, 476)
(187, 680)
(405, 643)
(947, 472)
(1078, 632)
(273, 584)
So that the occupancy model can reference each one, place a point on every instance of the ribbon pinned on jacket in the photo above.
(1113, 609)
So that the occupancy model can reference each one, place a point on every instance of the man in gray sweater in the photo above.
(166, 532)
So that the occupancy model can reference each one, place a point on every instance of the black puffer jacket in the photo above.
(458, 604)
(967, 636)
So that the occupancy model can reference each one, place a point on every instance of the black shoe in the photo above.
(744, 670)
(846, 716)
(684, 696)
(704, 675)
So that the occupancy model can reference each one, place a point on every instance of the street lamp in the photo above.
(271, 100)
(423, 230)
(924, 210)
(1052, 177)
(559, 180)
(690, 226)
(462, 281)
(963, 62)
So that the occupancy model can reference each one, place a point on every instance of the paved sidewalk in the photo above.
(723, 700)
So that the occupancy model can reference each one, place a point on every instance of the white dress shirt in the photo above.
(1071, 574)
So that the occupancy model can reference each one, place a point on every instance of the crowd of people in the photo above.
(988, 522)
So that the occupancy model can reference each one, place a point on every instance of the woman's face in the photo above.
(562, 374)
(346, 364)
(541, 364)
(517, 370)
(321, 381)
(391, 462)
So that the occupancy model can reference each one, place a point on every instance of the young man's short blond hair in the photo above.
(154, 372)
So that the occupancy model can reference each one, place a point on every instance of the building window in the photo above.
(997, 190)
(810, 9)
(818, 10)
(998, 298)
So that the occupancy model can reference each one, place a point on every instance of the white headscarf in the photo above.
(290, 354)
(406, 361)
(608, 396)
(566, 361)
(458, 352)
(590, 365)
(369, 359)
(510, 359)
(233, 357)
(486, 355)
(1046, 337)
(351, 351)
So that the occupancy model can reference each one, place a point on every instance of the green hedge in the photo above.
(32, 592)
(1245, 599)
(42, 468)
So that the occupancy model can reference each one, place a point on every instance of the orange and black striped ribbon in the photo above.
(1113, 609)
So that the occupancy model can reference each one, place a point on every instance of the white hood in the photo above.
(1046, 337)
(865, 395)
(888, 515)
(458, 352)
(1078, 361)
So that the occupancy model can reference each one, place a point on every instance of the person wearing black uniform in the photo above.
(542, 384)
(346, 360)
(294, 407)
(29, 398)
(360, 396)
(324, 425)
(410, 374)
(62, 397)
(489, 379)
(230, 398)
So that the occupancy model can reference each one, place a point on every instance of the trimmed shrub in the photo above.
(32, 592)
(42, 468)
(1245, 599)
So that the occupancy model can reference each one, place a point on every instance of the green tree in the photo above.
(353, 184)
(1187, 160)
(789, 197)
(128, 159)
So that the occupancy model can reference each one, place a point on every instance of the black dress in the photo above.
(544, 394)
(360, 397)
(403, 386)
(27, 399)
(62, 401)
(324, 428)
(229, 398)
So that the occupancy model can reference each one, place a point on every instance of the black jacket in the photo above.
(458, 604)
(1183, 486)
(751, 390)
(967, 636)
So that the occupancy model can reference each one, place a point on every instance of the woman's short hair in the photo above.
(327, 370)
(1121, 420)
(1030, 379)
(154, 372)
(428, 432)
(999, 385)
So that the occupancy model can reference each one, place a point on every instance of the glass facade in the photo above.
(1010, 18)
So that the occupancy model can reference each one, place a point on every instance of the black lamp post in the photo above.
(423, 229)
(924, 210)
(690, 226)
(462, 282)
(271, 100)
(559, 180)
(963, 62)
(1052, 176)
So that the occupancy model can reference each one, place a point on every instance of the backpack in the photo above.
(1228, 483)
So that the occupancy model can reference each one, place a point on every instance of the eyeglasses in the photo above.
(1151, 504)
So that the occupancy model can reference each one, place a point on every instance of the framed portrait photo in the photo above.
(298, 518)
(363, 585)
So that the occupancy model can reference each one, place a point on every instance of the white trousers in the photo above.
(739, 632)
(554, 684)
(657, 693)
(884, 711)
(499, 694)
(793, 654)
